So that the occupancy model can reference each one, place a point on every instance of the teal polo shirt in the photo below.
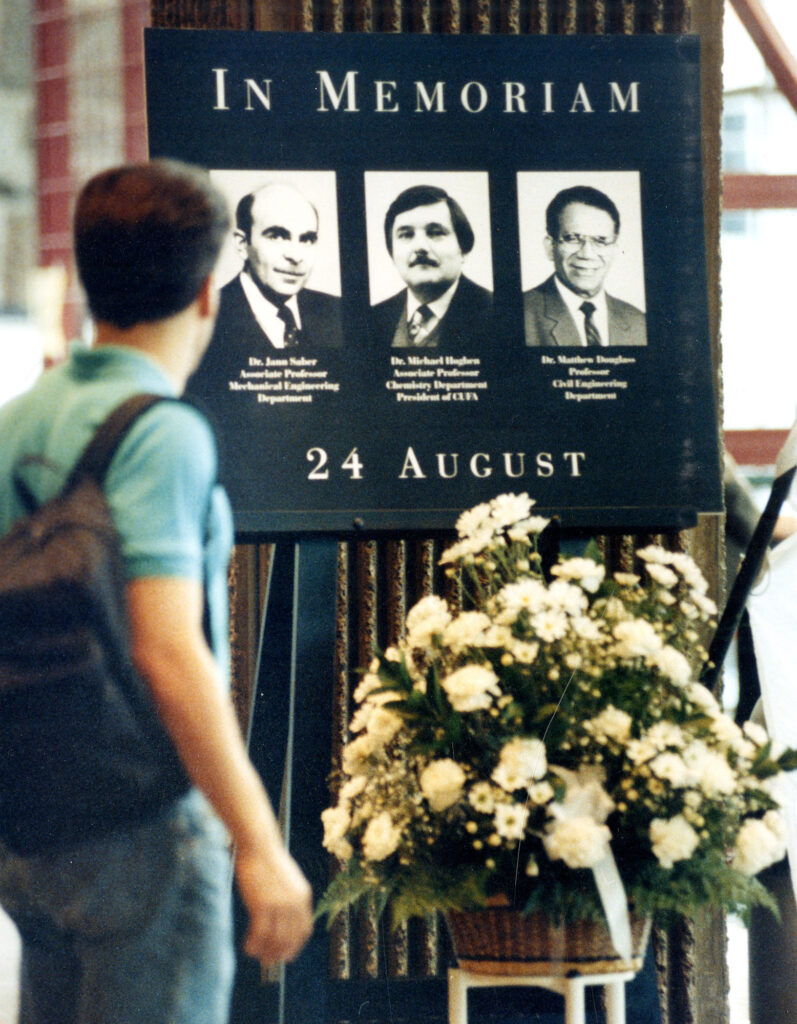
(173, 518)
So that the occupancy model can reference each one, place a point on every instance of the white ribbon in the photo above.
(773, 614)
(615, 903)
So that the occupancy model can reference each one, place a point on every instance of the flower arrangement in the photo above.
(510, 749)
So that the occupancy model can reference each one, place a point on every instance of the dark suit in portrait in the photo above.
(238, 335)
(547, 319)
(467, 325)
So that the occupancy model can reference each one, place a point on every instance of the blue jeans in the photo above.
(132, 928)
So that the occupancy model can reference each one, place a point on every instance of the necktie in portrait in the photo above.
(292, 333)
(590, 328)
(417, 326)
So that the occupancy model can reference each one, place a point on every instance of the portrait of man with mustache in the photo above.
(429, 237)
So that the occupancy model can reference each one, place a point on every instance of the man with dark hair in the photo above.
(428, 237)
(571, 307)
(134, 924)
(268, 307)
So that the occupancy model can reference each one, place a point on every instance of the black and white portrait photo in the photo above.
(582, 269)
(429, 258)
(279, 272)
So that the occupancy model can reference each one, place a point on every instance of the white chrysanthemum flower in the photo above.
(703, 697)
(584, 795)
(611, 724)
(636, 638)
(383, 725)
(661, 574)
(466, 630)
(626, 579)
(381, 837)
(385, 697)
(655, 553)
(690, 571)
(615, 611)
(336, 822)
(666, 734)
(671, 768)
(689, 610)
(673, 665)
(510, 820)
(359, 720)
(640, 751)
(525, 595)
(760, 843)
(549, 624)
(352, 788)
(356, 753)
(586, 571)
(672, 840)
(705, 604)
(579, 842)
(755, 732)
(567, 597)
(473, 520)
(541, 793)
(369, 682)
(481, 797)
(506, 509)
(471, 688)
(524, 652)
(533, 525)
(586, 628)
(498, 636)
(521, 760)
(711, 771)
(442, 783)
(728, 733)
(426, 620)
(393, 654)
(666, 598)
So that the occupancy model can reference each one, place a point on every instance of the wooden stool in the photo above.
(572, 989)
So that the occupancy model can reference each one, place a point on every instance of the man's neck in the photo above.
(268, 293)
(162, 341)
(431, 293)
(582, 296)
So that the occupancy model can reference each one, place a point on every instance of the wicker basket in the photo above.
(501, 940)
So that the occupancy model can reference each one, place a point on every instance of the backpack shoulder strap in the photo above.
(98, 453)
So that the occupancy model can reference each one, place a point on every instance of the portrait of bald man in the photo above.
(267, 307)
(572, 307)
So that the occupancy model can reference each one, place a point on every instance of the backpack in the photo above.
(82, 749)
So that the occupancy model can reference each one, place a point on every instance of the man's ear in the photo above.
(241, 243)
(547, 245)
(208, 297)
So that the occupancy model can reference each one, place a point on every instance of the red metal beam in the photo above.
(759, 191)
(755, 447)
(773, 49)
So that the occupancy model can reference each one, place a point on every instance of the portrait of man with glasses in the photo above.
(572, 306)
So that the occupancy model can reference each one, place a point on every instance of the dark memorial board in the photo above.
(364, 424)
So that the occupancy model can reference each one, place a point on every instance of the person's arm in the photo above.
(170, 651)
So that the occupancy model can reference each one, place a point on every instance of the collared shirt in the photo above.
(600, 317)
(173, 519)
(265, 312)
